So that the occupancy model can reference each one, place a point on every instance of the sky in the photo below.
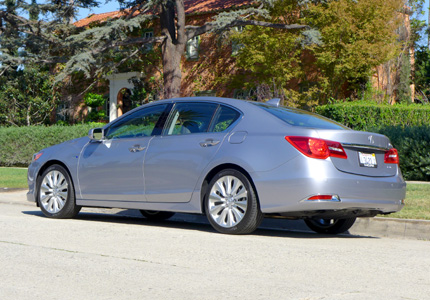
(104, 7)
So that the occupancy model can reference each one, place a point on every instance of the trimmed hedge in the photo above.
(407, 126)
(18, 144)
(413, 144)
(364, 115)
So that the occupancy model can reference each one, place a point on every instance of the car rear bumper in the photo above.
(286, 189)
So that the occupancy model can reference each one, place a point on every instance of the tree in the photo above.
(85, 50)
(27, 97)
(357, 36)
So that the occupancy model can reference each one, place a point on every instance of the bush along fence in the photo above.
(407, 126)
(18, 144)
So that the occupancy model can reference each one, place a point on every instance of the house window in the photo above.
(147, 35)
(62, 113)
(193, 48)
(235, 45)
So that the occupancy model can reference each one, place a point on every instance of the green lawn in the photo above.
(13, 178)
(417, 203)
(417, 195)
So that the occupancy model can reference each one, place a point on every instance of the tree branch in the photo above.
(193, 31)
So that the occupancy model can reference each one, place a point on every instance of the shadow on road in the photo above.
(269, 228)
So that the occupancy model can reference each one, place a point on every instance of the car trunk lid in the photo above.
(365, 151)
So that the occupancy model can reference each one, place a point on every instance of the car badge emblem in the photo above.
(371, 140)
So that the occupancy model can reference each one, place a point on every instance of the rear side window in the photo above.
(301, 118)
(224, 117)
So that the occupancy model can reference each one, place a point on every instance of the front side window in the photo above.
(187, 118)
(138, 124)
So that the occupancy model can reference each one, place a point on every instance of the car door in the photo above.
(112, 169)
(175, 160)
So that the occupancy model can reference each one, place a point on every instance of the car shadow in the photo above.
(270, 227)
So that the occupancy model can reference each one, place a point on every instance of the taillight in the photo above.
(391, 156)
(317, 148)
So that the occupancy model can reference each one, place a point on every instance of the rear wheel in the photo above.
(231, 205)
(330, 226)
(56, 194)
(155, 215)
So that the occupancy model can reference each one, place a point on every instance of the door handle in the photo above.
(136, 148)
(209, 143)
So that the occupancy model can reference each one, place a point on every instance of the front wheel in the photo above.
(330, 226)
(56, 194)
(231, 204)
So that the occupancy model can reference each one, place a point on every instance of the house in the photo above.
(205, 59)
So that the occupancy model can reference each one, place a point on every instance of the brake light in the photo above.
(391, 156)
(317, 148)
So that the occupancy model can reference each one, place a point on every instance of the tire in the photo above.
(56, 193)
(330, 226)
(231, 204)
(155, 215)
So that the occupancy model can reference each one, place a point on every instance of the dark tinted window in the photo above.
(138, 124)
(297, 117)
(224, 117)
(190, 118)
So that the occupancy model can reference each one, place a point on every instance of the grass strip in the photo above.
(13, 178)
(417, 195)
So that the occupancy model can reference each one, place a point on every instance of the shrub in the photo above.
(18, 144)
(413, 144)
(407, 126)
(365, 115)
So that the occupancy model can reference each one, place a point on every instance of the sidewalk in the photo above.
(372, 227)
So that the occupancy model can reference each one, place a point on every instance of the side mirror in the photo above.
(96, 134)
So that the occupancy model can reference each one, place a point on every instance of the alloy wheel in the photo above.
(228, 201)
(53, 192)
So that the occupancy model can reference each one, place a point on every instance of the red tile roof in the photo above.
(191, 7)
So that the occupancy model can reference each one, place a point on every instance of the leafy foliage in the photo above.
(349, 37)
(27, 97)
(422, 74)
(357, 36)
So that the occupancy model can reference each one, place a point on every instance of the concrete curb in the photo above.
(371, 227)
(392, 228)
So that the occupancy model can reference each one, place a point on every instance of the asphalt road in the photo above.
(116, 254)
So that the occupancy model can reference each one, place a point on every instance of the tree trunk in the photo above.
(173, 46)
(171, 69)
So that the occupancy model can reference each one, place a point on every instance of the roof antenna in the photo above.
(276, 102)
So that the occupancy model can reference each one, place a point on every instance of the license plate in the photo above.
(367, 160)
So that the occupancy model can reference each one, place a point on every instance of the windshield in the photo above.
(298, 117)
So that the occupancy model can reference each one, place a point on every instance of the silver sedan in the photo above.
(235, 161)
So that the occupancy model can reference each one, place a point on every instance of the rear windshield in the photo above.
(297, 117)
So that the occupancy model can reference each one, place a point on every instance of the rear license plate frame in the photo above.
(367, 160)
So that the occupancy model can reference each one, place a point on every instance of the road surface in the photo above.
(116, 254)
